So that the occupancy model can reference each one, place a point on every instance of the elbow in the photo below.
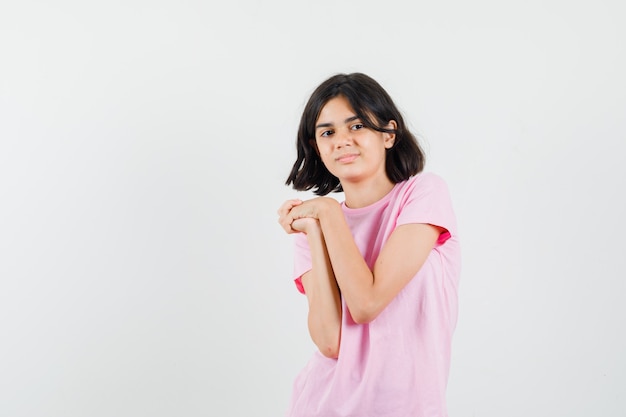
(330, 351)
(329, 346)
(363, 318)
(364, 314)
(327, 337)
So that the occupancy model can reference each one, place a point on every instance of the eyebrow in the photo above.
(348, 120)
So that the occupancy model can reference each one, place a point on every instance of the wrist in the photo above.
(328, 207)
(314, 230)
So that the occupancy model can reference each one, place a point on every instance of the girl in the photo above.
(380, 270)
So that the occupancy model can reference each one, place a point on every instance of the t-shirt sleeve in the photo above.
(302, 259)
(427, 200)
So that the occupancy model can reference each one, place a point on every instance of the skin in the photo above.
(355, 155)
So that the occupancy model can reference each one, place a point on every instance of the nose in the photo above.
(343, 137)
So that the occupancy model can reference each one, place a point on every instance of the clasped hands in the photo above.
(296, 216)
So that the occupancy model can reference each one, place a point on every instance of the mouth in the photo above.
(347, 158)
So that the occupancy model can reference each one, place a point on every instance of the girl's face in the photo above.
(349, 150)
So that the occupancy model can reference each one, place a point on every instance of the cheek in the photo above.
(326, 158)
(323, 151)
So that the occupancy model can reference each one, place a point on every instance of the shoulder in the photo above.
(425, 198)
(422, 183)
(428, 179)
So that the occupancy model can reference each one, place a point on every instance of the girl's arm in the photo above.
(324, 318)
(320, 287)
(367, 292)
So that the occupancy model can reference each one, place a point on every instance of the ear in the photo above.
(313, 144)
(390, 138)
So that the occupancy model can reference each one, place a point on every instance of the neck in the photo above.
(361, 194)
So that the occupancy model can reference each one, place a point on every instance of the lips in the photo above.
(346, 158)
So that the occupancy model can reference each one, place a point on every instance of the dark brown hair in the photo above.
(373, 106)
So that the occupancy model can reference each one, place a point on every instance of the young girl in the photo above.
(380, 270)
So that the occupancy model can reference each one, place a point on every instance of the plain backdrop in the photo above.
(144, 147)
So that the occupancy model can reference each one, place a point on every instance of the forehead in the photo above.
(335, 110)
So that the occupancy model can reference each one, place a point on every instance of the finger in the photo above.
(285, 222)
(285, 207)
(288, 205)
(298, 225)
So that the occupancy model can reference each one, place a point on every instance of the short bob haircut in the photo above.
(374, 107)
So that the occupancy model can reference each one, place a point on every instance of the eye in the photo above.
(326, 133)
(357, 126)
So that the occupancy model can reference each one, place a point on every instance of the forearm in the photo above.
(324, 319)
(352, 273)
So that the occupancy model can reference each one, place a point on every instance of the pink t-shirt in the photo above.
(397, 365)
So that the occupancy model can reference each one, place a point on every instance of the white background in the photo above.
(143, 152)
